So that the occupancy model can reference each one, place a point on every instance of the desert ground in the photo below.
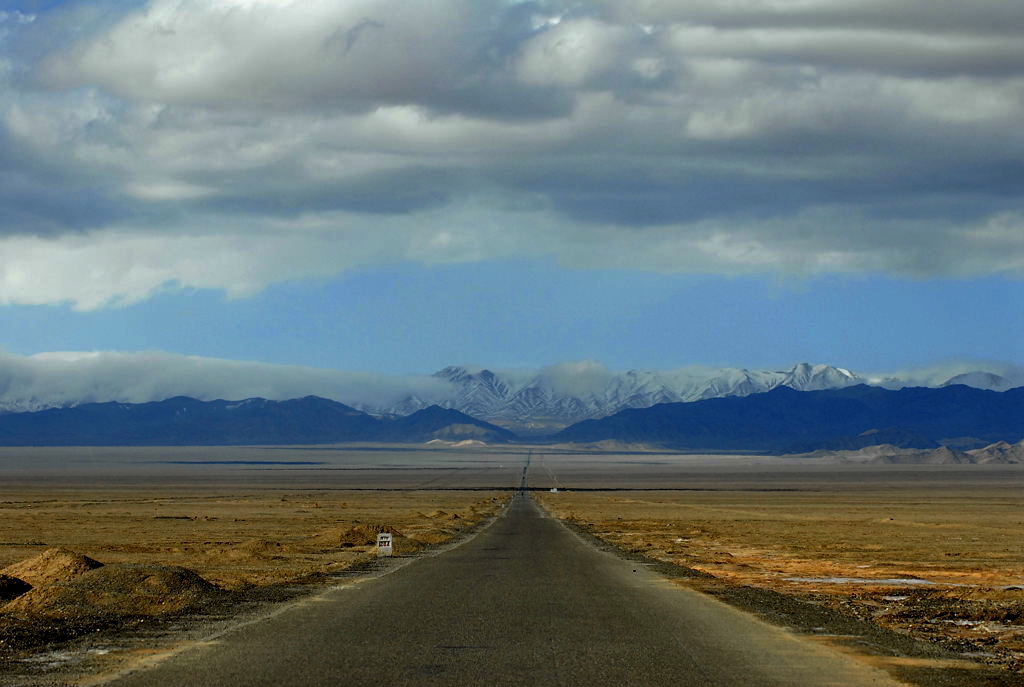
(931, 550)
(177, 529)
(934, 551)
(234, 515)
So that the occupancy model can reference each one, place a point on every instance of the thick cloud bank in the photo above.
(68, 378)
(989, 374)
(230, 144)
(55, 379)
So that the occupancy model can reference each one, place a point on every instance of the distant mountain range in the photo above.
(541, 402)
(187, 421)
(536, 402)
(788, 421)
(782, 420)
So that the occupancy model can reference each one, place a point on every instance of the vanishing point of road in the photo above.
(524, 602)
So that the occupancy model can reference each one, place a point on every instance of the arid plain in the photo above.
(254, 522)
(933, 551)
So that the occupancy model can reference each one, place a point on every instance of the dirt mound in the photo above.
(363, 535)
(358, 535)
(261, 547)
(433, 537)
(118, 590)
(52, 565)
(12, 587)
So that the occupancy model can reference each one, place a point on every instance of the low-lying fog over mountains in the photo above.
(782, 420)
(566, 394)
(529, 402)
(553, 396)
(573, 393)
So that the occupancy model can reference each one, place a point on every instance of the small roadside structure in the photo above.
(385, 544)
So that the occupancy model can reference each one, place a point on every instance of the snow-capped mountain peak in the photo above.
(566, 394)
(807, 377)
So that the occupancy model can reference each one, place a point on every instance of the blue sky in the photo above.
(416, 319)
(389, 188)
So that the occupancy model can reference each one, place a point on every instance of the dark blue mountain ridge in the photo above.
(188, 421)
(785, 420)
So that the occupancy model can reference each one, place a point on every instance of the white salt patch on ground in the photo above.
(897, 581)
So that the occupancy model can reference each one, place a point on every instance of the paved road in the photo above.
(524, 602)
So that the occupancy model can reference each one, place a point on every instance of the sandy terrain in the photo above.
(230, 538)
(938, 553)
(180, 529)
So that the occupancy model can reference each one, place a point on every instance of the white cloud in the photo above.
(16, 17)
(939, 373)
(234, 144)
(576, 53)
(274, 54)
(121, 267)
(73, 377)
(959, 100)
(47, 379)
(580, 379)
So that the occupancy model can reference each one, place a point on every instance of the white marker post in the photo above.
(385, 544)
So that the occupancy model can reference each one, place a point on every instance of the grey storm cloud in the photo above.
(233, 143)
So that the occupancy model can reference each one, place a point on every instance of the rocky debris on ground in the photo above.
(12, 587)
(52, 565)
(119, 590)
(986, 622)
(966, 607)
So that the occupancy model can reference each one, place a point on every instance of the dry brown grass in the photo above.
(232, 538)
(968, 541)
(166, 522)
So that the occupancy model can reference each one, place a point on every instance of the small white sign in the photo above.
(385, 544)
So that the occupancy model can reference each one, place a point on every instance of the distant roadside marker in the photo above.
(385, 544)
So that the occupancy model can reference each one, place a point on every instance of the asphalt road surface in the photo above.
(525, 602)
